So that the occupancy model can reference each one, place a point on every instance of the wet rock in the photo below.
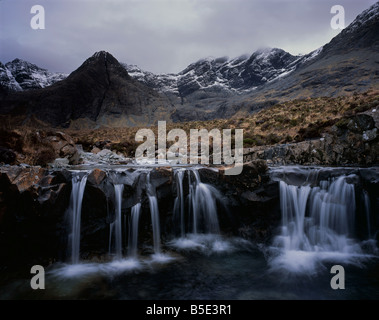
(96, 177)
(104, 153)
(253, 174)
(61, 163)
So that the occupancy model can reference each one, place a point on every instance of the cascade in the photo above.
(75, 210)
(133, 230)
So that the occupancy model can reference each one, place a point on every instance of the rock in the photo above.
(104, 153)
(23, 178)
(370, 135)
(61, 163)
(365, 121)
(95, 150)
(252, 196)
(7, 156)
(64, 147)
(96, 177)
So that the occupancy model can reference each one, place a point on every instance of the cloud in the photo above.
(164, 35)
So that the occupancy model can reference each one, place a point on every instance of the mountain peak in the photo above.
(100, 54)
(101, 57)
(19, 63)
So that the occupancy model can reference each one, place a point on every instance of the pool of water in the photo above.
(202, 267)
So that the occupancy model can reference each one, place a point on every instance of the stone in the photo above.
(95, 150)
(96, 177)
(61, 163)
(370, 135)
(64, 147)
(104, 153)
(365, 121)
(24, 178)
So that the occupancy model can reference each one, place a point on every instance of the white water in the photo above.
(133, 230)
(154, 211)
(179, 200)
(75, 209)
(317, 225)
(202, 203)
(118, 188)
(367, 211)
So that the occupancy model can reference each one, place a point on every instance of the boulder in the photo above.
(64, 146)
(96, 177)
(23, 178)
(61, 163)
(95, 150)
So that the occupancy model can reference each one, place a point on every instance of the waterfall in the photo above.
(75, 209)
(192, 203)
(367, 211)
(202, 203)
(153, 203)
(318, 218)
(317, 224)
(133, 230)
(118, 188)
(179, 200)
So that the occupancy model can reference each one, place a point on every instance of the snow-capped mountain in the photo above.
(219, 75)
(20, 75)
(236, 75)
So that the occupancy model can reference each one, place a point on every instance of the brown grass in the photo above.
(294, 120)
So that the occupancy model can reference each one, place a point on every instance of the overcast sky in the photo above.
(164, 36)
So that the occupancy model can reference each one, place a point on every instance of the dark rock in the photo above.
(96, 177)
(23, 178)
(7, 156)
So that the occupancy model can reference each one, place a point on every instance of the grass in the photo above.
(291, 121)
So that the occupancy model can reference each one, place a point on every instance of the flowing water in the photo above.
(154, 211)
(317, 230)
(133, 231)
(75, 210)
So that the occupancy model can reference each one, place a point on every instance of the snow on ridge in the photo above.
(363, 18)
(21, 75)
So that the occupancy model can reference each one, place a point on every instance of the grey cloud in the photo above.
(164, 35)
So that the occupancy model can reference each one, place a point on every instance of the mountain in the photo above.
(238, 75)
(348, 63)
(99, 92)
(19, 75)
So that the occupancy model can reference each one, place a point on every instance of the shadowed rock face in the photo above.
(99, 92)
